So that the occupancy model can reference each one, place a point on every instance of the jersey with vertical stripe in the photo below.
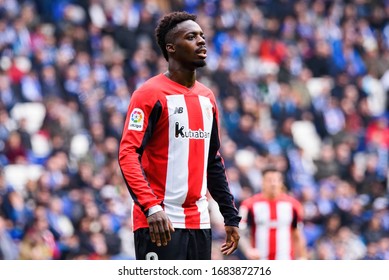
(271, 223)
(169, 154)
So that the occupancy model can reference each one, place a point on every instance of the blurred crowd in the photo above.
(301, 85)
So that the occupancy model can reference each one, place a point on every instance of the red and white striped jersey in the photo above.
(169, 154)
(271, 223)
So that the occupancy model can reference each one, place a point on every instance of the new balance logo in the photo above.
(191, 134)
(178, 110)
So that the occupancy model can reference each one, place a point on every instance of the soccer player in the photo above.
(271, 222)
(169, 153)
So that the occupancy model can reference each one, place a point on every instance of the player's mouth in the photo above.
(202, 52)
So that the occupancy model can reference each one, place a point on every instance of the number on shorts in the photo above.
(151, 256)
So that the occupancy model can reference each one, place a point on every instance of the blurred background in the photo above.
(302, 85)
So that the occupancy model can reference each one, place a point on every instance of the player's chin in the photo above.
(199, 63)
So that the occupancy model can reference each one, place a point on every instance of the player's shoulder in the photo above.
(249, 202)
(149, 92)
(151, 86)
(204, 90)
(289, 198)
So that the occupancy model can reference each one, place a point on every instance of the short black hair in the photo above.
(167, 23)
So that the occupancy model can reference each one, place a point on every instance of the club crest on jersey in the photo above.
(136, 120)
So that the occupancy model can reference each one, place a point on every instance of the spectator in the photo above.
(14, 149)
(8, 247)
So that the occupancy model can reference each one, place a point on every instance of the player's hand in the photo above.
(232, 240)
(160, 228)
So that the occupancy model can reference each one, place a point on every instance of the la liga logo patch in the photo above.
(136, 120)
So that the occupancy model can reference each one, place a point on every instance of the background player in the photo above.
(271, 222)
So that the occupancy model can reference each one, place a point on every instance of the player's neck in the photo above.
(271, 196)
(183, 77)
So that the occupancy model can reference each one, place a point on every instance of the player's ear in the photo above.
(170, 48)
